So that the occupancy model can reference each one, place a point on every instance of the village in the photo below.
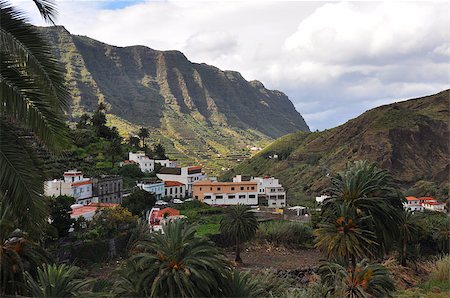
(173, 185)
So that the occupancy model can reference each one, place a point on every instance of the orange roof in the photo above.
(427, 199)
(81, 183)
(412, 198)
(194, 168)
(169, 211)
(112, 205)
(434, 203)
(72, 173)
(128, 161)
(172, 183)
(216, 183)
(83, 210)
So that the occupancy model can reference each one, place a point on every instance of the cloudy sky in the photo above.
(334, 60)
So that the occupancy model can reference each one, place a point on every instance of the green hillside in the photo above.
(409, 138)
(197, 111)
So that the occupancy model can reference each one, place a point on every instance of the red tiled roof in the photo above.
(169, 211)
(112, 205)
(128, 162)
(83, 210)
(427, 199)
(172, 183)
(194, 168)
(81, 183)
(412, 199)
(72, 173)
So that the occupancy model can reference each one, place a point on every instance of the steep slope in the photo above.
(410, 138)
(197, 110)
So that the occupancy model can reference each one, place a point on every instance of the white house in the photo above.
(185, 175)
(154, 186)
(226, 193)
(74, 185)
(434, 206)
(174, 189)
(146, 164)
(413, 204)
(268, 188)
(322, 198)
(167, 163)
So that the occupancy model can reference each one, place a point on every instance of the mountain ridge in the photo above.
(409, 138)
(197, 110)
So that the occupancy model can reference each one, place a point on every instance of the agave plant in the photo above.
(17, 253)
(371, 192)
(32, 97)
(239, 224)
(365, 280)
(55, 281)
(174, 264)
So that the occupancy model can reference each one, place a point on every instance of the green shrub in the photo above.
(92, 251)
(286, 233)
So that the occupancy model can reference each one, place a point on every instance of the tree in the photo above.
(133, 141)
(139, 201)
(112, 221)
(370, 192)
(131, 171)
(55, 281)
(59, 214)
(83, 122)
(343, 237)
(18, 253)
(239, 224)
(143, 134)
(114, 149)
(176, 263)
(160, 151)
(368, 280)
(33, 96)
(409, 235)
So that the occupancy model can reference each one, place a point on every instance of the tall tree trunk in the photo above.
(404, 253)
(238, 259)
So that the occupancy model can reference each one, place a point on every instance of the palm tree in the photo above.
(32, 97)
(239, 224)
(114, 149)
(370, 192)
(143, 134)
(409, 234)
(367, 280)
(242, 284)
(17, 253)
(133, 141)
(174, 264)
(343, 236)
(55, 281)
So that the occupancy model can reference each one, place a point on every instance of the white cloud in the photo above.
(334, 60)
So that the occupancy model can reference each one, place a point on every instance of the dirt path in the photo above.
(265, 256)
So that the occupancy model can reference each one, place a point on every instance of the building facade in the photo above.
(226, 193)
(108, 189)
(74, 184)
(167, 163)
(269, 190)
(153, 186)
(174, 190)
(146, 164)
(185, 175)
(424, 203)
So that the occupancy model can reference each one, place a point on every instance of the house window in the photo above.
(242, 188)
(210, 188)
(231, 197)
(219, 197)
(253, 187)
(232, 188)
(200, 188)
(251, 196)
(241, 196)
(248, 188)
(207, 197)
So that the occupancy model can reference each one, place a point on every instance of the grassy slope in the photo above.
(408, 138)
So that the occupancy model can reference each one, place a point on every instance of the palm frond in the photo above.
(47, 9)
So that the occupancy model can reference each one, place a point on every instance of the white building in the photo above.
(268, 188)
(413, 204)
(185, 175)
(226, 193)
(146, 164)
(74, 185)
(434, 206)
(167, 163)
(153, 186)
(174, 189)
(322, 198)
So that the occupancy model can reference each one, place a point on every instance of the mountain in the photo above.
(409, 138)
(197, 110)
